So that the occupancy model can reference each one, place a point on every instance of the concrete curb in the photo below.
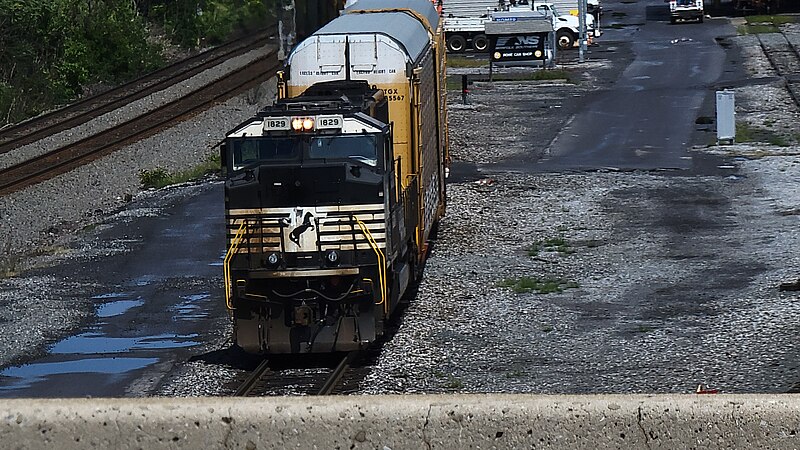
(407, 422)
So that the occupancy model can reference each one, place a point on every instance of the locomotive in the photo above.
(333, 192)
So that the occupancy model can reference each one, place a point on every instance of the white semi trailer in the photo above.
(464, 21)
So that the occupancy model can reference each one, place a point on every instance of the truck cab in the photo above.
(685, 10)
(566, 25)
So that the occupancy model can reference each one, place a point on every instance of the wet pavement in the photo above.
(158, 294)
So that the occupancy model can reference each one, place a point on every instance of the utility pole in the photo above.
(287, 27)
(582, 7)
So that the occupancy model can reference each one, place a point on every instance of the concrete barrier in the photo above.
(406, 422)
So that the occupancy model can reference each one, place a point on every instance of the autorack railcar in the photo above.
(332, 193)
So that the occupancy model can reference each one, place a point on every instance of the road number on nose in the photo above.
(328, 122)
(276, 123)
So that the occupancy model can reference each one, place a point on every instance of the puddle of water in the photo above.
(118, 307)
(144, 280)
(29, 374)
(97, 343)
(190, 308)
(220, 262)
(110, 295)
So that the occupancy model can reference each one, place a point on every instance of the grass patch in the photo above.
(537, 75)
(515, 374)
(774, 20)
(454, 383)
(460, 62)
(747, 133)
(453, 84)
(559, 245)
(756, 29)
(778, 140)
(9, 267)
(454, 81)
(525, 285)
(160, 177)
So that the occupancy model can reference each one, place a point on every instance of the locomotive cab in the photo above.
(317, 254)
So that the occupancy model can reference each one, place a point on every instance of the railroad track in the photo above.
(66, 158)
(784, 58)
(86, 109)
(265, 380)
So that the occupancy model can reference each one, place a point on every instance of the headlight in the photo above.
(332, 257)
(273, 259)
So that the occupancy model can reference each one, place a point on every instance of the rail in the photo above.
(252, 380)
(338, 373)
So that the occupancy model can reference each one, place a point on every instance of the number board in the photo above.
(330, 122)
(277, 123)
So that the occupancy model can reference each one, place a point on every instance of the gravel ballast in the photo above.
(663, 280)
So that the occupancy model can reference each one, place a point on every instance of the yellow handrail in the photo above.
(381, 263)
(226, 265)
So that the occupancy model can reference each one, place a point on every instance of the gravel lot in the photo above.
(669, 280)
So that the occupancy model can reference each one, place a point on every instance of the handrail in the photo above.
(381, 262)
(226, 265)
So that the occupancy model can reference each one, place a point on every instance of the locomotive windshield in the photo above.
(356, 146)
(250, 151)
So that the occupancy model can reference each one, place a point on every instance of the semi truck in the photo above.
(685, 10)
(464, 20)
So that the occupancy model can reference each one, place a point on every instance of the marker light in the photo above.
(297, 124)
(308, 124)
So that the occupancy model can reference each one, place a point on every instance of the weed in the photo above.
(618, 14)
(546, 328)
(454, 383)
(524, 285)
(775, 20)
(559, 245)
(757, 29)
(159, 177)
(777, 140)
(156, 178)
(515, 374)
(439, 374)
(8, 268)
(538, 75)
(616, 26)
(462, 62)
(747, 133)
(644, 329)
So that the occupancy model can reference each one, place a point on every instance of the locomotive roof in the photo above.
(403, 28)
(424, 8)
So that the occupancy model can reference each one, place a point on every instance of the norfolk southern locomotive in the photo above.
(332, 193)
